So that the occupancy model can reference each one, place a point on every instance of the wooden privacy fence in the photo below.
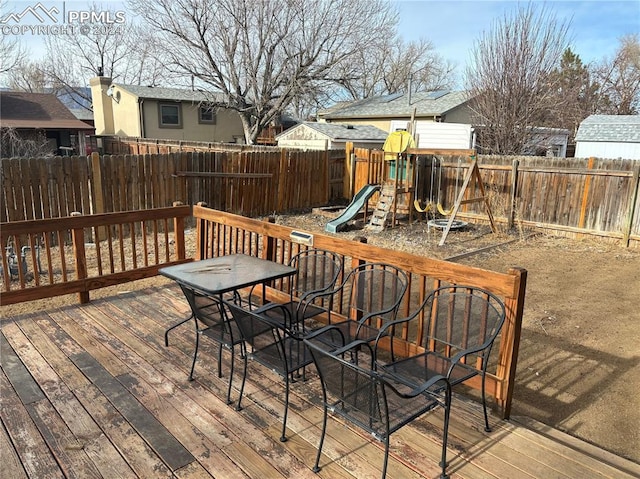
(570, 196)
(220, 233)
(52, 257)
(246, 182)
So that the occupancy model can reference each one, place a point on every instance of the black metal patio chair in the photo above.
(317, 271)
(268, 340)
(368, 298)
(210, 320)
(370, 399)
(457, 327)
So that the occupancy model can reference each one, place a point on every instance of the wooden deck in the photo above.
(91, 391)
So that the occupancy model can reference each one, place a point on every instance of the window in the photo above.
(206, 114)
(170, 115)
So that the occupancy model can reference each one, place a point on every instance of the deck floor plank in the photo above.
(26, 441)
(11, 464)
(91, 391)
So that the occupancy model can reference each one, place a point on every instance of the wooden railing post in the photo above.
(269, 244)
(80, 257)
(201, 247)
(178, 235)
(510, 343)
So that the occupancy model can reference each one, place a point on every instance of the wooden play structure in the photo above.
(412, 186)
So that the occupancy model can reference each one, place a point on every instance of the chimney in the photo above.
(102, 105)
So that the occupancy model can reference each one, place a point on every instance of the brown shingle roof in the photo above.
(36, 110)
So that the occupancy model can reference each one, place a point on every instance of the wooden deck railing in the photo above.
(221, 233)
(77, 254)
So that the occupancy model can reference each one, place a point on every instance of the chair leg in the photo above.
(220, 360)
(195, 353)
(445, 433)
(230, 373)
(484, 407)
(386, 457)
(283, 437)
(316, 467)
(244, 378)
(166, 333)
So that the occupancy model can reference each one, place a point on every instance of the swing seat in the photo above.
(428, 206)
(444, 212)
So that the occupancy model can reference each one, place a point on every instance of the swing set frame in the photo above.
(472, 174)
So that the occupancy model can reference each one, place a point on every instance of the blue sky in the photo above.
(453, 26)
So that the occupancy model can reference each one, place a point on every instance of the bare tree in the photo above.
(259, 55)
(620, 79)
(114, 50)
(29, 76)
(389, 65)
(12, 52)
(28, 144)
(511, 79)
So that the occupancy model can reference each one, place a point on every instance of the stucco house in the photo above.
(158, 112)
(609, 136)
(42, 119)
(329, 136)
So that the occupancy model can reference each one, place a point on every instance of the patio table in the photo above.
(224, 274)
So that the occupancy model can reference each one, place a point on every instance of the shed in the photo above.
(609, 136)
(328, 136)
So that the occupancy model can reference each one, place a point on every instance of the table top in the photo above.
(226, 273)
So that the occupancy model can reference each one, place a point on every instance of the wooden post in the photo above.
(79, 254)
(350, 171)
(585, 194)
(201, 247)
(510, 343)
(178, 235)
(632, 206)
(98, 194)
(269, 244)
(514, 190)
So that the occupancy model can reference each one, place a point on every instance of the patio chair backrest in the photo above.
(373, 293)
(461, 318)
(317, 270)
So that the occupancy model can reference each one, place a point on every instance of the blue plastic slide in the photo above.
(351, 211)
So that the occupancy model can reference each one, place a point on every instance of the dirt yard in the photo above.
(579, 362)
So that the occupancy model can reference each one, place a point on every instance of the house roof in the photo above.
(429, 103)
(610, 128)
(341, 131)
(169, 94)
(37, 110)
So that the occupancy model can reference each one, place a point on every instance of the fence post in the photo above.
(585, 195)
(98, 192)
(79, 254)
(514, 189)
(632, 207)
(350, 171)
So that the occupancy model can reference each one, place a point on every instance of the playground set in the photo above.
(410, 184)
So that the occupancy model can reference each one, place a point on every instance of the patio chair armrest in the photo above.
(419, 390)
(318, 333)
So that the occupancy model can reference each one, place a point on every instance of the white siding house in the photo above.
(609, 136)
(330, 136)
